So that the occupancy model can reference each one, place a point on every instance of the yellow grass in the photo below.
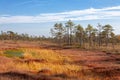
(54, 68)
(44, 54)
(54, 62)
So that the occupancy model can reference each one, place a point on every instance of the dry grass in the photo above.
(47, 62)
(53, 62)
(47, 55)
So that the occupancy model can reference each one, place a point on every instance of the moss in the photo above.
(13, 53)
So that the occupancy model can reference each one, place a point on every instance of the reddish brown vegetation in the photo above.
(100, 63)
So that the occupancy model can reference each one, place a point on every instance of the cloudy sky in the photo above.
(36, 17)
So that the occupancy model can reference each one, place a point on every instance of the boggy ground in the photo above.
(103, 64)
(83, 65)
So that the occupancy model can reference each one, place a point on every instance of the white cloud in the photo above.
(86, 14)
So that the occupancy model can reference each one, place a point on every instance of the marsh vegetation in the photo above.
(71, 53)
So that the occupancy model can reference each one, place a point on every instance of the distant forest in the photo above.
(10, 35)
(69, 34)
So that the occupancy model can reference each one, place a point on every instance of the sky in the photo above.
(37, 17)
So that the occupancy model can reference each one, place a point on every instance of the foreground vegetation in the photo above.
(46, 62)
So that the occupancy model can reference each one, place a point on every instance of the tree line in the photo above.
(72, 34)
(10, 35)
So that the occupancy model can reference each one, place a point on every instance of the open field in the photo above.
(23, 60)
(59, 40)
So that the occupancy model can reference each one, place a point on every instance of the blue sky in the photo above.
(36, 17)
